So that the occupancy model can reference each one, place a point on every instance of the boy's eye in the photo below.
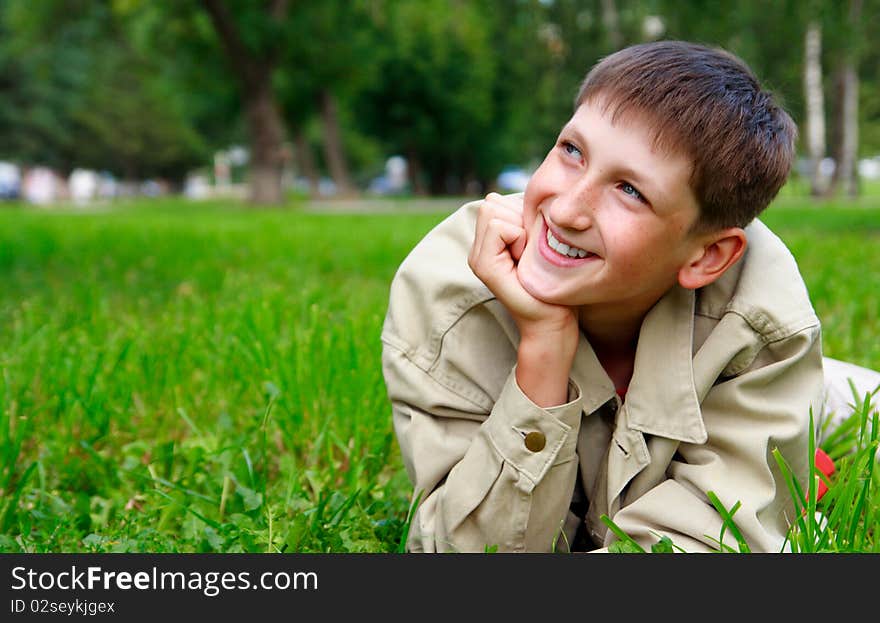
(632, 191)
(571, 150)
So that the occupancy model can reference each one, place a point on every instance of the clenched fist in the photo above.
(499, 242)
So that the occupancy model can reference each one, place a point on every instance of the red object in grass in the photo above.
(825, 465)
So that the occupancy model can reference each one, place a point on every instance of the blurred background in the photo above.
(265, 101)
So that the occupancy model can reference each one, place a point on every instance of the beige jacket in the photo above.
(722, 377)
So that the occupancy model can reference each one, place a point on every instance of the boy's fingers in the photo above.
(496, 266)
(518, 246)
(495, 205)
(490, 210)
(491, 245)
(511, 202)
(499, 232)
(494, 254)
(508, 233)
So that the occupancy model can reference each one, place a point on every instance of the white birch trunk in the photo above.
(815, 104)
(845, 173)
(849, 155)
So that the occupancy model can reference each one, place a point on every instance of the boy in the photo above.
(620, 339)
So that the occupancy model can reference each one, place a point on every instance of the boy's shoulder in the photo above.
(765, 288)
(434, 285)
(444, 320)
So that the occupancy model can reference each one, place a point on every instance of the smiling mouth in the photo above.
(565, 250)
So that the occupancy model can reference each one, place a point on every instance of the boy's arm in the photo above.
(548, 333)
(499, 480)
(746, 417)
(541, 373)
(493, 461)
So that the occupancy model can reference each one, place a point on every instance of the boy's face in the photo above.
(623, 206)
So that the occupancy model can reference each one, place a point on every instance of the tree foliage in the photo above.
(74, 92)
(461, 89)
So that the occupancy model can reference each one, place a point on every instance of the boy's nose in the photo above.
(573, 209)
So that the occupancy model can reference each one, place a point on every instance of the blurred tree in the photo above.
(543, 51)
(77, 94)
(290, 67)
(432, 99)
(611, 26)
(461, 88)
(814, 102)
(531, 92)
(251, 36)
(835, 40)
(181, 41)
(869, 95)
(33, 110)
(847, 17)
(327, 61)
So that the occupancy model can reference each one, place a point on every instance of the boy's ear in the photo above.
(717, 252)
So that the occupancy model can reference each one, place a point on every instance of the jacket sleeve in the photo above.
(747, 416)
(479, 484)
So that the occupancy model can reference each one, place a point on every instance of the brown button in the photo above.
(535, 441)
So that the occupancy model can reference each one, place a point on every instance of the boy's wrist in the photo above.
(561, 330)
(544, 365)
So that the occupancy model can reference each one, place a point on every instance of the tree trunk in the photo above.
(264, 123)
(436, 184)
(266, 132)
(815, 105)
(333, 150)
(847, 123)
(850, 135)
(414, 169)
(306, 161)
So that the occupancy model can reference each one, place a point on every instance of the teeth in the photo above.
(564, 249)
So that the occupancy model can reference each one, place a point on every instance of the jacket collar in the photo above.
(661, 398)
(587, 372)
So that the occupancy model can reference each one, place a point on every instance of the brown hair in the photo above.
(706, 103)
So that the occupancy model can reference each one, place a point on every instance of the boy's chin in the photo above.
(537, 288)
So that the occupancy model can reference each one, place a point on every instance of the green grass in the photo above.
(208, 380)
(180, 378)
(837, 246)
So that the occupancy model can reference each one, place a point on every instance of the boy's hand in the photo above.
(498, 244)
(548, 333)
